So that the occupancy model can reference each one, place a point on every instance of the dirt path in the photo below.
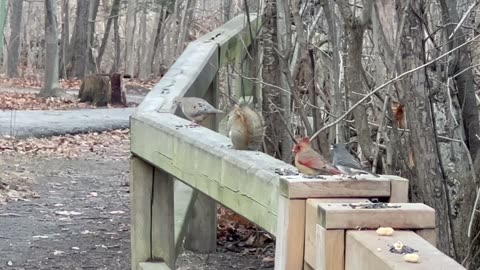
(80, 219)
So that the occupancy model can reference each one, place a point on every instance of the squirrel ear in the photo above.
(305, 139)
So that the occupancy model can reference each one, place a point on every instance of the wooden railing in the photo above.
(179, 174)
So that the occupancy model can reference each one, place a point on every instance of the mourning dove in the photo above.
(309, 162)
(246, 128)
(346, 163)
(195, 109)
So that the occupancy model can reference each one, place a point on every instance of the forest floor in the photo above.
(64, 204)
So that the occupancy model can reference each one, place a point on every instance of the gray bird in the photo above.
(346, 163)
(195, 109)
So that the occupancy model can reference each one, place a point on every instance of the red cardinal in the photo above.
(310, 162)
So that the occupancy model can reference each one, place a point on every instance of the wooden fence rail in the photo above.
(179, 174)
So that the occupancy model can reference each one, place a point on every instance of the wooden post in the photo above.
(152, 231)
(141, 183)
(154, 266)
(163, 227)
(330, 249)
(202, 233)
(311, 234)
(365, 250)
(290, 238)
(398, 189)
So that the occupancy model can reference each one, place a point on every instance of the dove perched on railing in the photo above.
(246, 128)
(195, 109)
(309, 162)
(346, 163)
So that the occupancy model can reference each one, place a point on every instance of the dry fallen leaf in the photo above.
(68, 213)
(398, 112)
(58, 252)
(268, 259)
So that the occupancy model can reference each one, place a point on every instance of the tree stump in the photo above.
(118, 89)
(96, 89)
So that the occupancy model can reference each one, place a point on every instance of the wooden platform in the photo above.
(365, 250)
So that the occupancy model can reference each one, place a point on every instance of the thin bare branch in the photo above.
(390, 82)
(469, 10)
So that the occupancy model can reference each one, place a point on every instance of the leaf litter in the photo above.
(237, 234)
(29, 101)
(234, 233)
(15, 181)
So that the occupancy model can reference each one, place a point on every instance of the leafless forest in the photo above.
(398, 79)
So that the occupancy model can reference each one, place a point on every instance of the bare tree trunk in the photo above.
(354, 30)
(143, 36)
(146, 54)
(157, 61)
(428, 183)
(130, 37)
(337, 132)
(183, 26)
(462, 106)
(274, 104)
(116, 45)
(51, 87)
(464, 81)
(3, 17)
(227, 7)
(64, 39)
(113, 13)
(78, 43)
(92, 15)
(15, 38)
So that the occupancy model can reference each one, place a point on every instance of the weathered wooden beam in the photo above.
(141, 184)
(233, 36)
(190, 75)
(399, 189)
(244, 181)
(184, 199)
(365, 250)
(153, 266)
(290, 234)
(407, 216)
(163, 223)
(197, 66)
(202, 233)
(330, 252)
(334, 187)
(311, 220)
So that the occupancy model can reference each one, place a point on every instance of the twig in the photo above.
(389, 82)
(460, 72)
(472, 217)
(383, 123)
(477, 198)
(283, 120)
(469, 10)
(10, 215)
(408, 131)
